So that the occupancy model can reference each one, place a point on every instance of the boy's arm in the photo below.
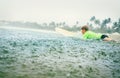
(85, 37)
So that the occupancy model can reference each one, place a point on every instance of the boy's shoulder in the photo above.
(89, 32)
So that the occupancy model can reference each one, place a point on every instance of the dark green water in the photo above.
(25, 54)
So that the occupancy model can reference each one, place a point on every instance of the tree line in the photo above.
(104, 26)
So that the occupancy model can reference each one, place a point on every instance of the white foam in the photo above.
(26, 29)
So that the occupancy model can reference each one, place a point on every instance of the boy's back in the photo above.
(91, 35)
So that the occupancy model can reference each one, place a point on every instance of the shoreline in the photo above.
(115, 36)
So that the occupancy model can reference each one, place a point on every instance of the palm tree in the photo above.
(116, 26)
(92, 18)
(97, 22)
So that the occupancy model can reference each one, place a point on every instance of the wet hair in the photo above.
(85, 27)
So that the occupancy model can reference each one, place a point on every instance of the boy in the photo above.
(92, 35)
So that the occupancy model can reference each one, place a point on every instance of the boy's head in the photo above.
(84, 29)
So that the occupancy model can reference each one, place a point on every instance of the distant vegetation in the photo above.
(104, 26)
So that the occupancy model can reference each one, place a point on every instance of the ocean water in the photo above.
(28, 54)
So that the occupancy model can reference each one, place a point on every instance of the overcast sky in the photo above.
(58, 10)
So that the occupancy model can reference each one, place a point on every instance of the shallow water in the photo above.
(27, 54)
